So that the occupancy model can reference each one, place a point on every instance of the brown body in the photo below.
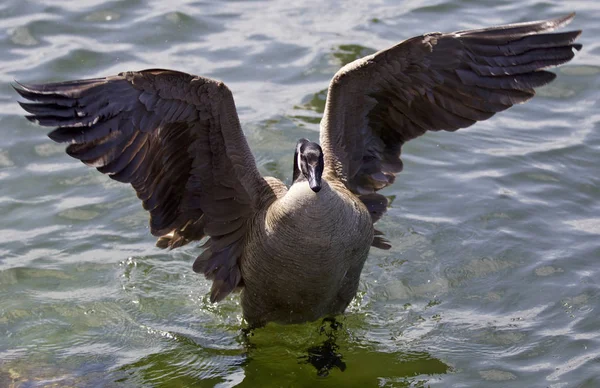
(305, 254)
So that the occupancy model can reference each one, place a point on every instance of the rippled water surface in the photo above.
(493, 277)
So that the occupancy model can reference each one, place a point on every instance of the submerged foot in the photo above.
(325, 357)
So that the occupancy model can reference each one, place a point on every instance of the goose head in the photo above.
(308, 164)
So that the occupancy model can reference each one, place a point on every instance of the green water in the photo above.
(493, 275)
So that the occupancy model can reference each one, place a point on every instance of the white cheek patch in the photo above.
(298, 161)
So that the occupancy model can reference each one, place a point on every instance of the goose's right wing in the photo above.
(177, 139)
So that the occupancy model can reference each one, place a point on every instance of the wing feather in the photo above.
(431, 82)
(177, 140)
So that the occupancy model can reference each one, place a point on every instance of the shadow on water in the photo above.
(276, 356)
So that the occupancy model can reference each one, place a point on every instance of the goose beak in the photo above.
(314, 179)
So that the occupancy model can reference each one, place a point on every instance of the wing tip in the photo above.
(564, 20)
(32, 88)
(21, 89)
(381, 243)
(551, 24)
(521, 28)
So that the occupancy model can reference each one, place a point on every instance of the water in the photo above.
(493, 277)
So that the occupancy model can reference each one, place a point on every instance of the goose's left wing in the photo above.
(431, 82)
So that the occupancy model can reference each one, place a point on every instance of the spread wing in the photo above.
(177, 139)
(429, 83)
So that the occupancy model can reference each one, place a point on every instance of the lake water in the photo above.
(493, 278)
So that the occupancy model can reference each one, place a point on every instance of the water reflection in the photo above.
(344, 359)
(347, 53)
(314, 105)
(186, 364)
(312, 108)
(277, 354)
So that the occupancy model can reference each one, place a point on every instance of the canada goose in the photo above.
(296, 253)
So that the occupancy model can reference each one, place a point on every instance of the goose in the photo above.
(296, 253)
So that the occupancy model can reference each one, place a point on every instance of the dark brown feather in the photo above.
(176, 138)
(429, 83)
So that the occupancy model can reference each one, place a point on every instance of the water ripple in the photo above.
(492, 277)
